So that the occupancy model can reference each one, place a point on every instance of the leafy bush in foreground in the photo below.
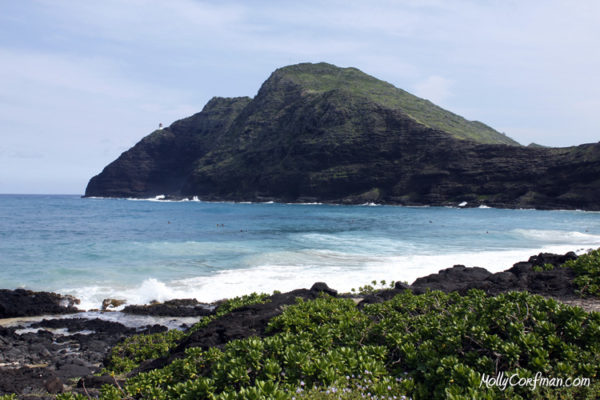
(445, 342)
(128, 354)
(427, 346)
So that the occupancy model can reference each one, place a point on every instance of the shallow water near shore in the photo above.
(147, 250)
(128, 320)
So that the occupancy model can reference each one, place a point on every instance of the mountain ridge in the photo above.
(312, 133)
(421, 110)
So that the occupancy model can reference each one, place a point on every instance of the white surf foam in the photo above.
(356, 246)
(291, 270)
(562, 237)
(148, 290)
(344, 277)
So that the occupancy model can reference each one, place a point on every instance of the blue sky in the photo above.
(82, 81)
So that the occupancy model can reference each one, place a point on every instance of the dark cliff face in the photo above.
(162, 161)
(310, 135)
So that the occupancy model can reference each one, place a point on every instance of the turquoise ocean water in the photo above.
(143, 250)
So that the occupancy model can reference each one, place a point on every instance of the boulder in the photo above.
(549, 258)
(521, 268)
(172, 308)
(458, 278)
(54, 385)
(322, 287)
(401, 286)
(21, 303)
(521, 277)
(108, 304)
(370, 299)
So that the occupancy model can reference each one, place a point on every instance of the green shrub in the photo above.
(430, 346)
(69, 396)
(128, 354)
(231, 304)
(545, 267)
(587, 271)
(444, 342)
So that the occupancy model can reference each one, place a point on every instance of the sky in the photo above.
(82, 81)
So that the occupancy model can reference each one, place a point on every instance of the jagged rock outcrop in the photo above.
(172, 308)
(316, 132)
(21, 303)
(48, 360)
(522, 276)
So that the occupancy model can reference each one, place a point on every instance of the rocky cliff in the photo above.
(316, 132)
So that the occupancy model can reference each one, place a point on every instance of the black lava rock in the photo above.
(172, 308)
(21, 303)
(322, 287)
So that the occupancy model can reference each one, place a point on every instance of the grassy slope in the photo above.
(319, 78)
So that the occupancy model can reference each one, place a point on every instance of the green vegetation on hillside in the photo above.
(322, 77)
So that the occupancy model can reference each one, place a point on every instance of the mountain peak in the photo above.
(323, 77)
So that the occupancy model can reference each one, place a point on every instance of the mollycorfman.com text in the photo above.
(502, 381)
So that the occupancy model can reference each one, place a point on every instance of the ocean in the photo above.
(144, 250)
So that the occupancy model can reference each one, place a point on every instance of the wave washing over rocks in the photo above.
(40, 357)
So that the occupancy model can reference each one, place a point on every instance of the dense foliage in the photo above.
(587, 271)
(426, 346)
(128, 354)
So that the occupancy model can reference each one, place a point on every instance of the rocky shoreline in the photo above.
(39, 358)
